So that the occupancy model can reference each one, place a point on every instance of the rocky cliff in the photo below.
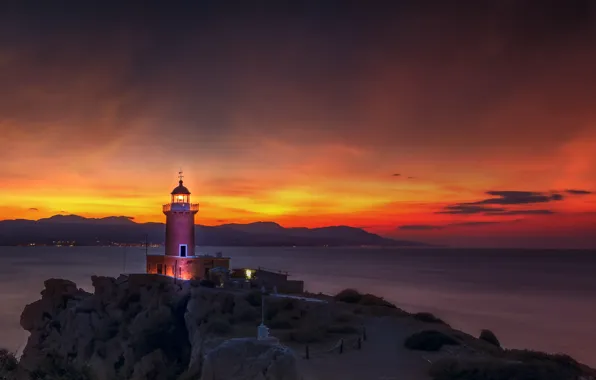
(147, 327)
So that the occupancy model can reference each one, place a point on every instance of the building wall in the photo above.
(278, 280)
(180, 229)
(185, 268)
(268, 276)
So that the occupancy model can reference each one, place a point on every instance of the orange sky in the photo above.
(303, 118)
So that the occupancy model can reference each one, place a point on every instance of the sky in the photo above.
(472, 125)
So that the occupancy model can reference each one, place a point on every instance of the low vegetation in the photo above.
(254, 298)
(354, 297)
(348, 296)
(429, 318)
(498, 369)
(52, 367)
(490, 337)
(8, 364)
(429, 340)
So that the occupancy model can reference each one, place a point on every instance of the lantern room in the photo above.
(180, 194)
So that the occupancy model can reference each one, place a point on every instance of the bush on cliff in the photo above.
(429, 318)
(429, 340)
(308, 335)
(490, 337)
(56, 367)
(353, 296)
(372, 300)
(349, 296)
(8, 364)
(562, 361)
(494, 369)
(254, 297)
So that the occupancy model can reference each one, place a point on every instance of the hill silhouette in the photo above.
(122, 229)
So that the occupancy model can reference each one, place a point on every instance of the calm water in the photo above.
(543, 300)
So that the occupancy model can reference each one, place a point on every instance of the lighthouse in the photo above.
(180, 222)
(179, 258)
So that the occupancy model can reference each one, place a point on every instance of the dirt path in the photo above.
(382, 357)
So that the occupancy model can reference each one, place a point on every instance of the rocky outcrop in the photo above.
(150, 327)
(126, 323)
(250, 359)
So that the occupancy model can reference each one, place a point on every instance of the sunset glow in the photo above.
(391, 134)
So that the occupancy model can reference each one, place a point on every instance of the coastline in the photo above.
(381, 330)
(524, 311)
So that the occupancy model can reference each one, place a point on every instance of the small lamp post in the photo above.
(262, 330)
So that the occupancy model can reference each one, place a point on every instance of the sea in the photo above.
(536, 299)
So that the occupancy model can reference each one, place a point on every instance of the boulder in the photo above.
(117, 332)
(250, 359)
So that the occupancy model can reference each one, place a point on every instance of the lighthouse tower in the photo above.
(180, 222)
(180, 259)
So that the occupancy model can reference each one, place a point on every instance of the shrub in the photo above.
(56, 367)
(308, 336)
(343, 329)
(345, 317)
(372, 300)
(8, 364)
(8, 360)
(288, 304)
(254, 298)
(429, 340)
(280, 324)
(429, 318)
(449, 369)
(535, 357)
(348, 296)
(490, 337)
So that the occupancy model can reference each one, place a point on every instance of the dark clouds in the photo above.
(221, 71)
(427, 227)
(518, 197)
(419, 227)
(468, 208)
(523, 212)
(509, 198)
(578, 192)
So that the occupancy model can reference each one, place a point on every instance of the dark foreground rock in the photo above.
(250, 359)
(152, 327)
(132, 327)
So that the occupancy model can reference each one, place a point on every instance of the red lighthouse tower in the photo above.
(180, 222)
(180, 259)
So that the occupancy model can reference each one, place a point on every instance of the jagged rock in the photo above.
(54, 298)
(153, 366)
(137, 324)
(250, 359)
(111, 331)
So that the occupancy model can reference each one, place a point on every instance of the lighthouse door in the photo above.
(183, 248)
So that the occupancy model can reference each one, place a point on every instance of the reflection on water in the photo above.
(532, 299)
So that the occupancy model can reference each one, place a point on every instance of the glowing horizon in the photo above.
(389, 121)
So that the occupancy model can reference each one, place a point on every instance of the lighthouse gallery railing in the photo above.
(181, 207)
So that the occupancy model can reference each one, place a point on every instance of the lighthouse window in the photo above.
(183, 248)
(159, 269)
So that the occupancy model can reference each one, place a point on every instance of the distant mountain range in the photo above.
(123, 230)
